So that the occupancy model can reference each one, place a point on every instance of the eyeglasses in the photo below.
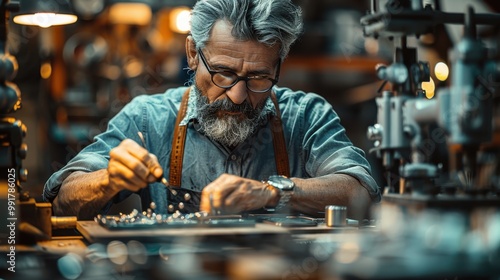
(227, 79)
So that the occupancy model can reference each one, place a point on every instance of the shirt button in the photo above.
(234, 157)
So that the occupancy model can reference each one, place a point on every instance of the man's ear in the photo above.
(191, 53)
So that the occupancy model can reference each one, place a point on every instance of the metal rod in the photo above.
(162, 179)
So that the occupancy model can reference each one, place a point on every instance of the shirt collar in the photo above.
(192, 113)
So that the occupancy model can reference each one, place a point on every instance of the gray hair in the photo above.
(267, 21)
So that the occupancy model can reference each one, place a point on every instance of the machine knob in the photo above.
(8, 67)
(22, 126)
(23, 151)
(396, 73)
(374, 132)
(23, 174)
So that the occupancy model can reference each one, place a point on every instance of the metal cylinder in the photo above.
(335, 215)
(67, 222)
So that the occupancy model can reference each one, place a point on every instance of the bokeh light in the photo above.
(441, 71)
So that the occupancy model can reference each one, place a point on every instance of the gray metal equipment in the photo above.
(436, 208)
(409, 126)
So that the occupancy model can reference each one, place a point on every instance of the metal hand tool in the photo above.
(162, 179)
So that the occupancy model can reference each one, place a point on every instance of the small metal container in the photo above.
(335, 215)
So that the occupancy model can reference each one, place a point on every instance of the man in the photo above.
(222, 141)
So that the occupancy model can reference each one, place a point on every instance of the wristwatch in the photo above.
(285, 188)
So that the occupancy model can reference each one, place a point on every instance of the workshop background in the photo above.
(74, 78)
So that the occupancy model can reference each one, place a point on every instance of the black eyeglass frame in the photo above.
(239, 78)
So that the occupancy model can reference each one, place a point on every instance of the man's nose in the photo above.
(238, 93)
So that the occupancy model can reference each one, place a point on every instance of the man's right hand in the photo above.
(132, 167)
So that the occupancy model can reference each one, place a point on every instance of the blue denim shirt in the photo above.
(316, 143)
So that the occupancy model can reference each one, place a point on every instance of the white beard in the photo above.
(229, 130)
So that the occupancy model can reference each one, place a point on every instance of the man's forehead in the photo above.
(221, 38)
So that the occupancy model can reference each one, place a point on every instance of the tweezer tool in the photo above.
(162, 179)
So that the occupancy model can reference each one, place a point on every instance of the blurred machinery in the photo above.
(28, 221)
(410, 127)
(12, 132)
(439, 213)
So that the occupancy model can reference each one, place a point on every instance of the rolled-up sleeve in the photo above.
(326, 149)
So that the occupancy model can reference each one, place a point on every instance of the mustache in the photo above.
(228, 106)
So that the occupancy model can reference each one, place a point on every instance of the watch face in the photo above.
(281, 182)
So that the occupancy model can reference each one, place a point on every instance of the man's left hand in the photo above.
(231, 194)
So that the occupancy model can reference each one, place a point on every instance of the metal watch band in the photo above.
(285, 197)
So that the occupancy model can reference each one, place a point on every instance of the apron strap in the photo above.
(280, 153)
(177, 153)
